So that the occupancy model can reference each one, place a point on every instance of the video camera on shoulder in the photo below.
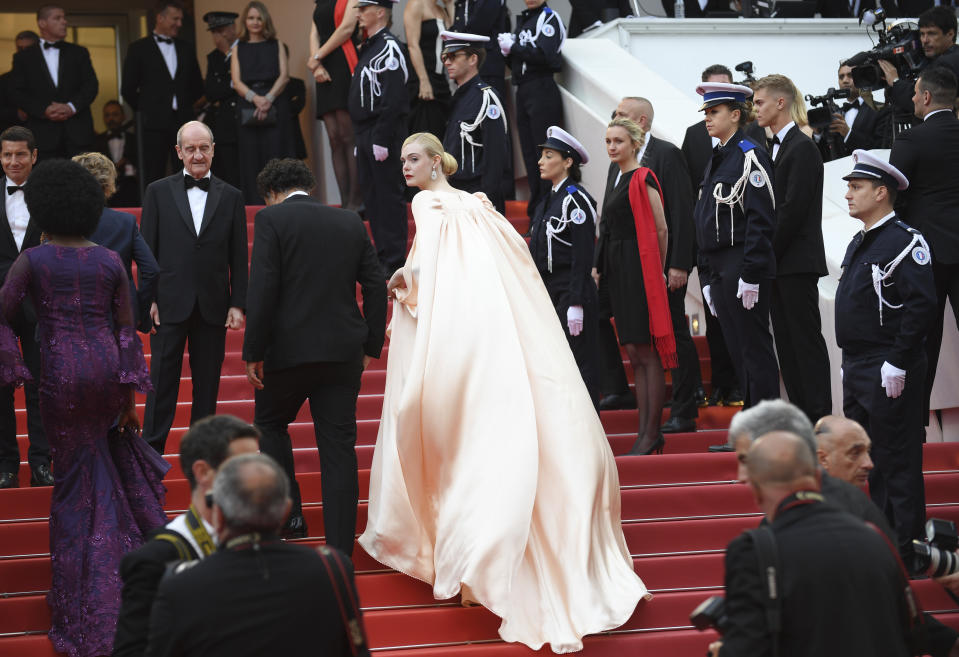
(898, 44)
(936, 556)
(746, 68)
(821, 117)
(711, 614)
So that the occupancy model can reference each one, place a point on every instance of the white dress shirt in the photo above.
(116, 145)
(850, 116)
(782, 135)
(18, 216)
(168, 50)
(52, 57)
(197, 199)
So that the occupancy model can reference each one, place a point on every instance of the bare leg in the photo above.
(650, 394)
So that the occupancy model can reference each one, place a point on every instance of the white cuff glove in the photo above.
(709, 300)
(506, 41)
(893, 379)
(749, 293)
(574, 320)
(380, 153)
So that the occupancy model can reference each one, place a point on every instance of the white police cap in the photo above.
(560, 140)
(453, 41)
(715, 93)
(387, 4)
(875, 168)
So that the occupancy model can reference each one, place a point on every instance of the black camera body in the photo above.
(820, 117)
(899, 44)
(746, 68)
(936, 556)
(711, 614)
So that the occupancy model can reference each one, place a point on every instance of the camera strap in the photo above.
(916, 626)
(338, 568)
(768, 556)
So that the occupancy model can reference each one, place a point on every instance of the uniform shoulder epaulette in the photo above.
(745, 145)
(571, 189)
(906, 227)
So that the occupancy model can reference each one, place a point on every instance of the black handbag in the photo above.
(248, 118)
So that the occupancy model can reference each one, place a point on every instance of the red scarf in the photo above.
(660, 321)
(348, 48)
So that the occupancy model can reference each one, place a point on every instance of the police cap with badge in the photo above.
(456, 41)
(717, 93)
(218, 19)
(566, 144)
(386, 4)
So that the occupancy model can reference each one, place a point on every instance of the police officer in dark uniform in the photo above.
(562, 232)
(221, 116)
(477, 133)
(885, 306)
(735, 221)
(378, 104)
(485, 18)
(534, 56)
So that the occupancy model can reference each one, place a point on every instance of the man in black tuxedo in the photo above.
(120, 145)
(54, 83)
(18, 154)
(855, 126)
(218, 89)
(800, 254)
(161, 82)
(258, 595)
(697, 148)
(306, 337)
(928, 155)
(195, 224)
(203, 449)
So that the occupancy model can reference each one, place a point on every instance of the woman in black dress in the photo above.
(639, 310)
(430, 95)
(259, 72)
(332, 60)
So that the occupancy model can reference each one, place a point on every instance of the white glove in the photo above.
(749, 293)
(893, 379)
(506, 41)
(574, 320)
(709, 300)
(380, 153)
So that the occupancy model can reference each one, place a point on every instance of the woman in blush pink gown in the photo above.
(492, 475)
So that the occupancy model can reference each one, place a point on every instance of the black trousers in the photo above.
(538, 106)
(723, 373)
(612, 380)
(332, 389)
(947, 286)
(382, 186)
(38, 453)
(205, 343)
(746, 331)
(687, 377)
(803, 359)
(895, 427)
(585, 346)
(159, 151)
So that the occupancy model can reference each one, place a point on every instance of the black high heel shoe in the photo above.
(656, 448)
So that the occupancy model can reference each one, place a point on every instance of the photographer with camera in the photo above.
(852, 125)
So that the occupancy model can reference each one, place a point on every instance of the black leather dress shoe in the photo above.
(716, 399)
(9, 480)
(733, 397)
(295, 527)
(700, 396)
(679, 425)
(41, 476)
(617, 401)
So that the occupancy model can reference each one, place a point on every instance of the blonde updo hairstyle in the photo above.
(636, 133)
(432, 147)
(103, 171)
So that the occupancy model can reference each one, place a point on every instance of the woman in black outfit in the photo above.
(430, 94)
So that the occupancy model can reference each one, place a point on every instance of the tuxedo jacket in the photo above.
(147, 86)
(209, 268)
(667, 162)
(101, 143)
(301, 305)
(697, 148)
(33, 91)
(928, 155)
(797, 182)
(9, 252)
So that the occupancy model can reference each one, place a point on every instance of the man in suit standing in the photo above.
(195, 224)
(120, 145)
(855, 126)
(218, 89)
(800, 254)
(161, 82)
(306, 337)
(18, 154)
(928, 156)
(290, 599)
(54, 83)
(10, 114)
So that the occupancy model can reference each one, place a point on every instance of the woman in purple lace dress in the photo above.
(107, 493)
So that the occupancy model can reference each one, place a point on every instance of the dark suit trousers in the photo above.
(613, 377)
(722, 371)
(332, 389)
(746, 331)
(159, 150)
(947, 285)
(896, 429)
(538, 106)
(686, 378)
(206, 343)
(382, 186)
(803, 359)
(585, 346)
(39, 451)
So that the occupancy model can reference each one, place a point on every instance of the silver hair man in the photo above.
(765, 417)
(252, 494)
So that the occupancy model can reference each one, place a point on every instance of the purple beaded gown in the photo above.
(108, 490)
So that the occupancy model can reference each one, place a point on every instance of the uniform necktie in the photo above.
(202, 183)
(13, 189)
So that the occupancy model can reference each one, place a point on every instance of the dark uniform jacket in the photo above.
(476, 136)
(585, 13)
(928, 155)
(485, 18)
(147, 86)
(750, 225)
(217, 88)
(669, 165)
(900, 334)
(830, 564)
(562, 234)
(382, 67)
(539, 37)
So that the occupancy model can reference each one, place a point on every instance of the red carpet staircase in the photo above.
(679, 510)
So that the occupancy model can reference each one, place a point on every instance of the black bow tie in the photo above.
(848, 106)
(115, 134)
(202, 183)
(777, 140)
(13, 189)
(162, 39)
(57, 45)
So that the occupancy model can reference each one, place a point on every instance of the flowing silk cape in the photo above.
(492, 469)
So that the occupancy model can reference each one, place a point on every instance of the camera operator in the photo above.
(827, 564)
(855, 125)
(937, 34)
